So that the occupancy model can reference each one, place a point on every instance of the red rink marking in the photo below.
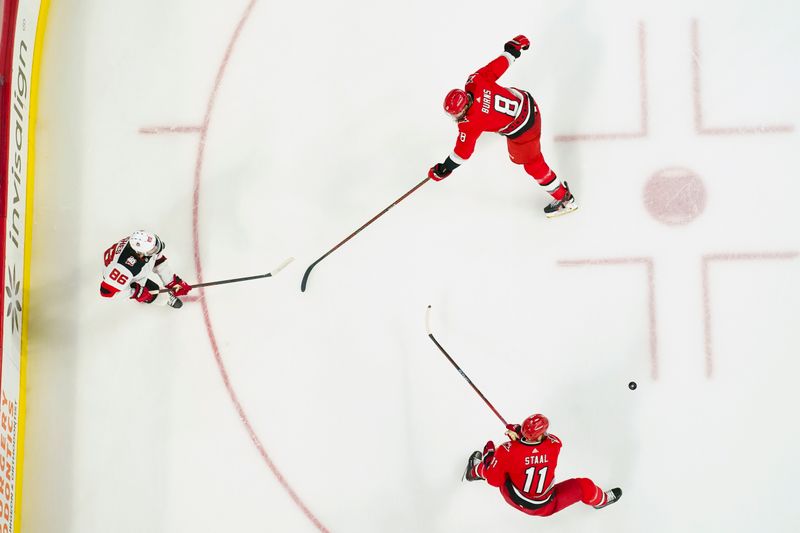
(697, 95)
(651, 295)
(674, 196)
(706, 261)
(198, 171)
(170, 129)
(643, 105)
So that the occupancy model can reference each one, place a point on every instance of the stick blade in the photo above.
(281, 266)
(305, 277)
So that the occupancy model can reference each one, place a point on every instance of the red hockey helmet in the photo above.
(534, 427)
(456, 103)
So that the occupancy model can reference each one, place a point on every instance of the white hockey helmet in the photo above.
(145, 243)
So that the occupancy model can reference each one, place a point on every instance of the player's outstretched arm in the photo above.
(498, 66)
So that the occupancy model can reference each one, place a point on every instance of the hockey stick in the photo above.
(356, 232)
(236, 280)
(463, 375)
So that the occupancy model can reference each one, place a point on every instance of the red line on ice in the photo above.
(198, 170)
(169, 129)
(706, 260)
(651, 296)
(697, 95)
(643, 103)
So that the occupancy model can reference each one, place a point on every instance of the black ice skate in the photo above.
(611, 496)
(473, 461)
(561, 207)
(174, 302)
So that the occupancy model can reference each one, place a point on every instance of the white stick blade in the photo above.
(282, 266)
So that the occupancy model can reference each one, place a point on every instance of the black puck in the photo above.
(632, 385)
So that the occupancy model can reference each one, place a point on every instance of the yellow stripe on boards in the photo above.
(41, 27)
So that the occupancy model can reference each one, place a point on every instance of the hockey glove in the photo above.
(142, 294)
(516, 45)
(439, 171)
(178, 287)
(513, 431)
(488, 453)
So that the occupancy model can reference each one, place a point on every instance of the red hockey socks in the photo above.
(548, 180)
(591, 494)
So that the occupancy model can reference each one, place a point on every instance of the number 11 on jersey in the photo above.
(530, 473)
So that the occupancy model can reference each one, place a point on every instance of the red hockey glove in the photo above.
(488, 453)
(488, 448)
(178, 287)
(142, 294)
(438, 172)
(513, 431)
(516, 45)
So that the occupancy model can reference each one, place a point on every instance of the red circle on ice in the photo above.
(675, 196)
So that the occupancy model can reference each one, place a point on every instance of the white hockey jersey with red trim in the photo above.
(123, 266)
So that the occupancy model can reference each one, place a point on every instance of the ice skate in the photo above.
(473, 461)
(174, 301)
(561, 207)
(611, 496)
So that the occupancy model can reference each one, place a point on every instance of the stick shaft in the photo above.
(224, 281)
(356, 232)
(236, 280)
(463, 375)
(232, 280)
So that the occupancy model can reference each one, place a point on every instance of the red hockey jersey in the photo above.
(524, 472)
(504, 110)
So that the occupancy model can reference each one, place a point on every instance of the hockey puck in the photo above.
(632, 385)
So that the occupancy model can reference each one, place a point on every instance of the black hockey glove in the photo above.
(440, 171)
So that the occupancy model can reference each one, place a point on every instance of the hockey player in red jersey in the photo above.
(484, 106)
(137, 267)
(524, 469)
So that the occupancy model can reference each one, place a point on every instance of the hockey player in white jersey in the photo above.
(137, 267)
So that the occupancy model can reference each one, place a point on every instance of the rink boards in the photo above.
(23, 30)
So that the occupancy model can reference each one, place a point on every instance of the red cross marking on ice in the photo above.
(643, 103)
(706, 261)
(648, 263)
(706, 274)
(697, 98)
(676, 196)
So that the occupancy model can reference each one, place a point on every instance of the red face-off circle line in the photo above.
(198, 172)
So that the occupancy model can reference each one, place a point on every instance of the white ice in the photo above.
(327, 112)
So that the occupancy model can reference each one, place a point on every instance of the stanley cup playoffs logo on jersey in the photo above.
(14, 308)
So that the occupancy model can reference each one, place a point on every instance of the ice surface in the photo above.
(326, 112)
